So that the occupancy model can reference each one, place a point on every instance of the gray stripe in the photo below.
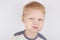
(41, 36)
(18, 33)
(22, 32)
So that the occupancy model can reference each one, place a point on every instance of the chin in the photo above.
(35, 31)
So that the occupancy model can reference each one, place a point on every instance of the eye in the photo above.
(30, 18)
(40, 19)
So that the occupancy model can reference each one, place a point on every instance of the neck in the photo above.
(30, 34)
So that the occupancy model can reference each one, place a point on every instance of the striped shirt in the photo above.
(21, 36)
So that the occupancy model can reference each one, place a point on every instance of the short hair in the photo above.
(34, 5)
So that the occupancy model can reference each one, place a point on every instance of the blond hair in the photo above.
(34, 5)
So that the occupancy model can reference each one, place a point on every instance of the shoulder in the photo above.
(18, 33)
(41, 36)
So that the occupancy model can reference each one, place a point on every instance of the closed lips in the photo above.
(35, 27)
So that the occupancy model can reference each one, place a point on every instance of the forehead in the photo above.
(33, 13)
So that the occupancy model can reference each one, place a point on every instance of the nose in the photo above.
(36, 22)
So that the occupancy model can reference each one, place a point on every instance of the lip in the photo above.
(35, 27)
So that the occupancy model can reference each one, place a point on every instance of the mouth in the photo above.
(35, 27)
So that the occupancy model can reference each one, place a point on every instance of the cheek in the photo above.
(28, 25)
(27, 22)
(41, 24)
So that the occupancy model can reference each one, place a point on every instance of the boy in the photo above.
(33, 18)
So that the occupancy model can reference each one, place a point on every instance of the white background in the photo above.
(10, 18)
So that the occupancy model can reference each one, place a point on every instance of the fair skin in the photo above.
(33, 20)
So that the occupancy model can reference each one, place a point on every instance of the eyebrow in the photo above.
(41, 18)
(38, 18)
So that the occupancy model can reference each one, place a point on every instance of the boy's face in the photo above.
(33, 20)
